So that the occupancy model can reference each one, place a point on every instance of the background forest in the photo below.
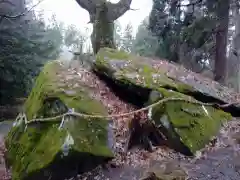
(201, 35)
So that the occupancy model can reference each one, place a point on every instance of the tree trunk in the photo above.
(102, 15)
(237, 48)
(234, 57)
(103, 30)
(221, 41)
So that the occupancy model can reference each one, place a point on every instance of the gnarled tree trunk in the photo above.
(102, 15)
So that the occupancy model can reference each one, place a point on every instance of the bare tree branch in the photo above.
(132, 9)
(118, 9)
(6, 2)
(89, 5)
(21, 14)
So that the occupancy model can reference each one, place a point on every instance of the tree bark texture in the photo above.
(234, 56)
(220, 66)
(102, 16)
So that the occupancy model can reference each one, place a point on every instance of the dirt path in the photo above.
(4, 173)
(222, 161)
(219, 161)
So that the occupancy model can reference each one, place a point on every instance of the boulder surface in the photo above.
(187, 126)
(47, 142)
(69, 143)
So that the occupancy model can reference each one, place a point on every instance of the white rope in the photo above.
(62, 122)
(71, 112)
(65, 119)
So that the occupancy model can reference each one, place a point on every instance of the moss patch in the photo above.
(188, 126)
(41, 145)
(33, 149)
(132, 69)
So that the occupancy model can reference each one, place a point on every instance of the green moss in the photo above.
(42, 86)
(129, 68)
(108, 53)
(190, 124)
(35, 148)
(47, 85)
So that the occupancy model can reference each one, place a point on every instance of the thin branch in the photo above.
(89, 5)
(21, 14)
(131, 9)
(6, 2)
(118, 9)
(235, 52)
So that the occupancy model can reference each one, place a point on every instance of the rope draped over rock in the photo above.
(71, 112)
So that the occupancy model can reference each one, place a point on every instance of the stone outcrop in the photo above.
(37, 149)
(80, 143)
(186, 126)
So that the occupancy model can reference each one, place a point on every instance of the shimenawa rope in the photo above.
(71, 112)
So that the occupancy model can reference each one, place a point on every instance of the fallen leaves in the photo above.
(138, 156)
(100, 91)
(4, 172)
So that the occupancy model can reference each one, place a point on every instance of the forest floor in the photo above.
(4, 172)
(218, 160)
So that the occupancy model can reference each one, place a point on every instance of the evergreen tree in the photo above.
(145, 43)
(127, 38)
(26, 43)
(193, 33)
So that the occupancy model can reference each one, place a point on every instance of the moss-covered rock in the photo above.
(135, 70)
(43, 150)
(187, 126)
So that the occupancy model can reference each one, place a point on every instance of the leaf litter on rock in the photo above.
(137, 156)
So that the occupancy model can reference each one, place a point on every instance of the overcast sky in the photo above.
(70, 12)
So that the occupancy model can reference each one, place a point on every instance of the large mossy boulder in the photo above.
(155, 73)
(187, 126)
(130, 69)
(51, 149)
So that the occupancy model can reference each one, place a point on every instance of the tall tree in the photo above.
(145, 43)
(117, 34)
(74, 39)
(234, 56)
(127, 38)
(26, 43)
(196, 28)
(222, 12)
(102, 15)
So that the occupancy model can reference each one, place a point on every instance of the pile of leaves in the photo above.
(138, 156)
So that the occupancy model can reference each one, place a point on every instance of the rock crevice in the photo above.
(119, 83)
